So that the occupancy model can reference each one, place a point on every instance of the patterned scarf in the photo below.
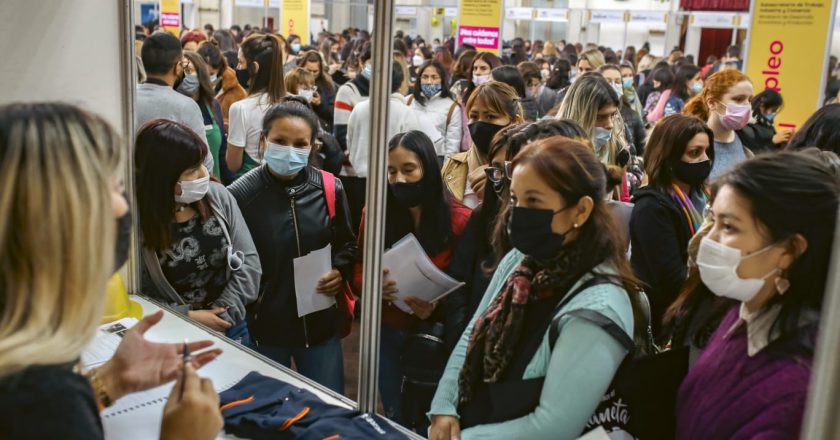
(498, 330)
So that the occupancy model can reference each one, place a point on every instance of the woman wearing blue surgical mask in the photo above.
(285, 204)
(668, 212)
(293, 52)
(724, 103)
(198, 255)
(593, 103)
(768, 253)
(432, 99)
(628, 75)
(564, 236)
(760, 134)
(634, 132)
(687, 83)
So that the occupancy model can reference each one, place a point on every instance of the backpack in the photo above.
(345, 301)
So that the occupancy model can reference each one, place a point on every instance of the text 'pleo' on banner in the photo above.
(480, 24)
(294, 19)
(787, 53)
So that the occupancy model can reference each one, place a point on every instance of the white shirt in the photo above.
(246, 118)
(435, 111)
(400, 120)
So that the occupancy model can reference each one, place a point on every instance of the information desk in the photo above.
(235, 360)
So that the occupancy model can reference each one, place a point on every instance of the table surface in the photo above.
(237, 357)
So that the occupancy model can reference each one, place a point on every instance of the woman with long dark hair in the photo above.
(687, 83)
(419, 205)
(820, 130)
(769, 253)
(198, 255)
(564, 236)
(760, 134)
(432, 100)
(478, 74)
(325, 109)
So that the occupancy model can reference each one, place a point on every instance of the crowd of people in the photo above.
(571, 188)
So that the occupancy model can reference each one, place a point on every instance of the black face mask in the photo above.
(243, 77)
(530, 231)
(123, 241)
(482, 134)
(693, 174)
(408, 195)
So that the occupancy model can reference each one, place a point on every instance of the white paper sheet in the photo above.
(415, 273)
(105, 342)
(308, 270)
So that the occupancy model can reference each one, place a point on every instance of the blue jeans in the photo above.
(239, 333)
(390, 371)
(323, 363)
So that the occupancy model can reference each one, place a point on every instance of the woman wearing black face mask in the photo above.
(564, 237)
(417, 204)
(491, 107)
(669, 211)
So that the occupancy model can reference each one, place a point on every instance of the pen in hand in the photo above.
(187, 360)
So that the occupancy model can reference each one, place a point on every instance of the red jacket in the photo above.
(391, 315)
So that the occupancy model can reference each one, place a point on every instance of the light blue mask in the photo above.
(284, 160)
(697, 88)
(600, 138)
(213, 78)
(431, 89)
(770, 117)
(295, 47)
(627, 83)
(368, 72)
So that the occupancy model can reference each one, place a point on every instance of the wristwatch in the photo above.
(103, 400)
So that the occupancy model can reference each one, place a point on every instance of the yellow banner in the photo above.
(787, 53)
(481, 24)
(294, 19)
(170, 16)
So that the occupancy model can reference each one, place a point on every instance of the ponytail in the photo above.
(265, 51)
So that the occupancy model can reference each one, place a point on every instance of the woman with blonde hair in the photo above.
(724, 103)
(62, 198)
(491, 107)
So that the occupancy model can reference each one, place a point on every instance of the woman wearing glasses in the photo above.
(486, 232)
(198, 255)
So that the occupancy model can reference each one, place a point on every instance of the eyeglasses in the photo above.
(496, 174)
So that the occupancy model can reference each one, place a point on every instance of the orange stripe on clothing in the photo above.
(333, 437)
(294, 419)
(343, 106)
(236, 403)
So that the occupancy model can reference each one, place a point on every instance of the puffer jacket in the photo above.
(445, 115)
(288, 220)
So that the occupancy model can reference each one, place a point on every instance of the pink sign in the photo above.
(479, 36)
(170, 19)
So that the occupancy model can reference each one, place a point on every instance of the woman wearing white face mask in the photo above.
(301, 82)
(480, 69)
(724, 103)
(290, 212)
(768, 252)
(593, 103)
(198, 255)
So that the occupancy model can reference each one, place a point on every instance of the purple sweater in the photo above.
(728, 395)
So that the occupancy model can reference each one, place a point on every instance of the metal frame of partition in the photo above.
(128, 66)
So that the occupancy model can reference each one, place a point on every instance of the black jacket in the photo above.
(636, 133)
(276, 213)
(758, 138)
(468, 259)
(659, 235)
(326, 109)
(47, 402)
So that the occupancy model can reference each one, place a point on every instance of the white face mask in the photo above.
(193, 190)
(417, 60)
(480, 79)
(306, 94)
(718, 266)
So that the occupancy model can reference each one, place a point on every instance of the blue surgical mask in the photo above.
(430, 90)
(295, 47)
(697, 87)
(213, 78)
(627, 83)
(284, 160)
(770, 116)
(600, 137)
(368, 72)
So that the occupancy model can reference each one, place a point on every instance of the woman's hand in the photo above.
(445, 428)
(331, 283)
(139, 364)
(389, 287)
(195, 414)
(477, 180)
(421, 308)
(316, 100)
(782, 137)
(210, 318)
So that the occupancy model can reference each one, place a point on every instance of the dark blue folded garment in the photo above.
(261, 407)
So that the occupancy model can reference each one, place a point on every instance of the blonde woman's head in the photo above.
(60, 194)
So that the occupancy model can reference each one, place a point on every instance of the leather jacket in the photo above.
(288, 220)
